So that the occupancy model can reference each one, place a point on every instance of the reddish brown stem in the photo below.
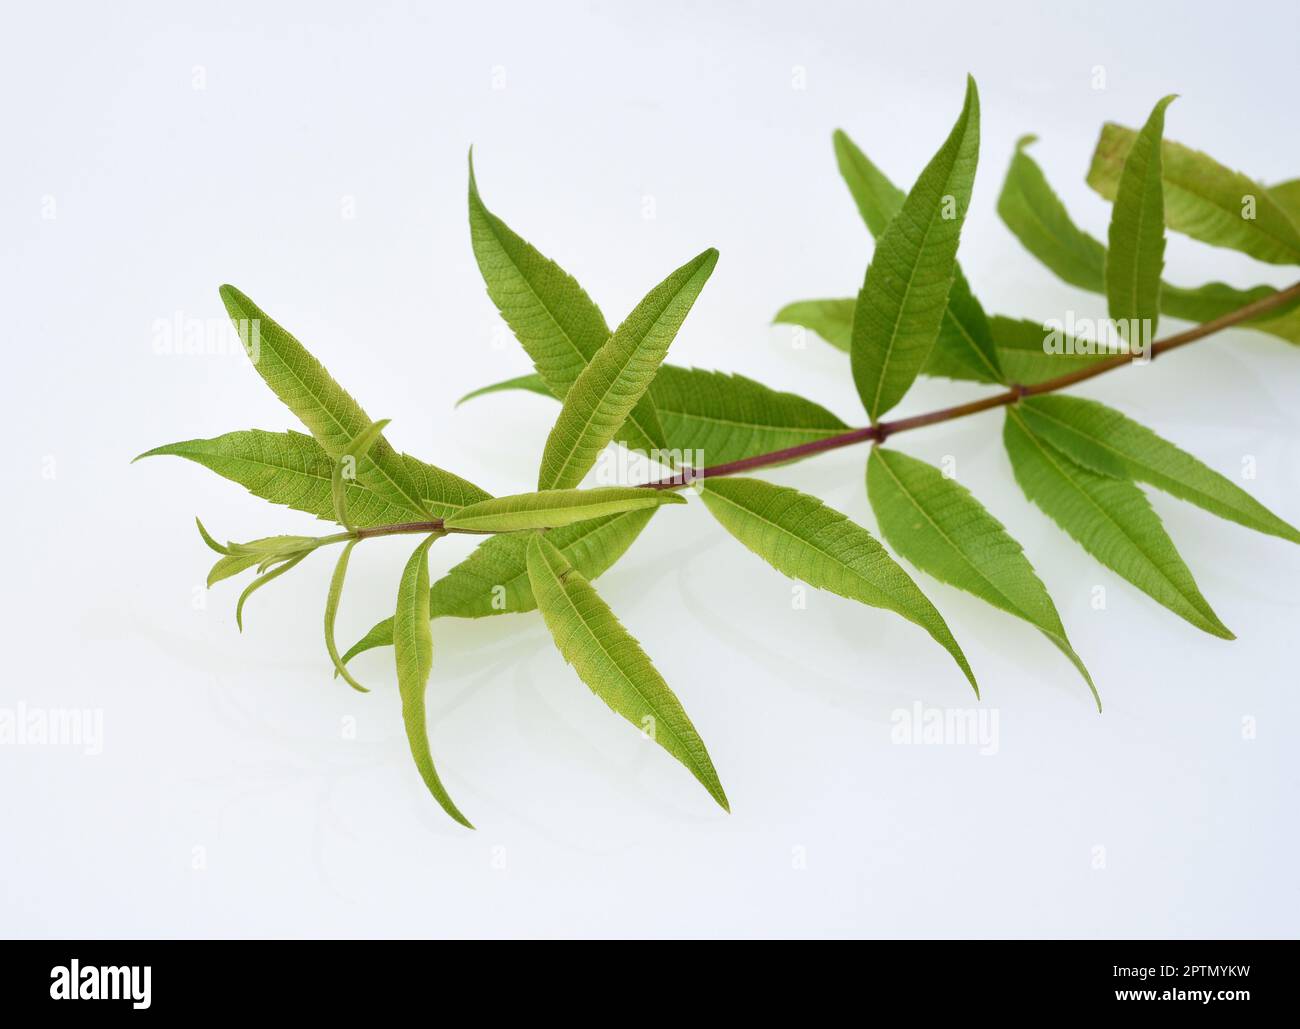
(882, 430)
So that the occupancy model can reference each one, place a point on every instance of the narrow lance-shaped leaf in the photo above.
(964, 347)
(1031, 352)
(331, 614)
(714, 417)
(260, 553)
(552, 316)
(724, 417)
(230, 563)
(905, 293)
(413, 648)
(1111, 519)
(532, 383)
(941, 528)
(878, 200)
(493, 580)
(1137, 236)
(1105, 441)
(1018, 342)
(1287, 197)
(345, 467)
(553, 508)
(206, 536)
(230, 566)
(801, 537)
(612, 663)
(307, 389)
(1035, 214)
(1204, 199)
(261, 581)
(831, 319)
(600, 399)
(292, 469)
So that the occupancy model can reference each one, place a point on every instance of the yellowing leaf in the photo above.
(612, 663)
(413, 647)
(1204, 199)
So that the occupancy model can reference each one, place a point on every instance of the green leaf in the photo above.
(493, 580)
(1032, 211)
(877, 198)
(259, 554)
(612, 663)
(230, 566)
(292, 469)
(1109, 518)
(901, 305)
(1287, 197)
(1019, 345)
(941, 528)
(800, 537)
(413, 648)
(331, 613)
(559, 326)
(1137, 236)
(207, 537)
(832, 320)
(261, 581)
(1022, 350)
(553, 508)
(605, 392)
(307, 389)
(1204, 199)
(229, 563)
(1215, 299)
(1035, 214)
(964, 347)
(533, 383)
(344, 470)
(1105, 441)
(729, 417)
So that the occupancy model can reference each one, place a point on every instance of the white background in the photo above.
(228, 751)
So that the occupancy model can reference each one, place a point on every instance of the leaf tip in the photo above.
(207, 538)
(473, 180)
